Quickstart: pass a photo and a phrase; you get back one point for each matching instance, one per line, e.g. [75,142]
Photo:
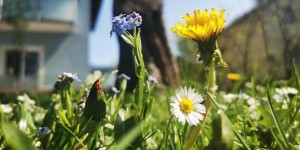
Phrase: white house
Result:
[56,41]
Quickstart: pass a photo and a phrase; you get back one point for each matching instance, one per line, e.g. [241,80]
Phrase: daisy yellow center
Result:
[186,105]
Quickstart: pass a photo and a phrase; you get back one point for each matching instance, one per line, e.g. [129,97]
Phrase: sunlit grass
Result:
[248,112]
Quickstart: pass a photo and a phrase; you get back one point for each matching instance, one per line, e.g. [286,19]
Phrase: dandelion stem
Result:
[211,86]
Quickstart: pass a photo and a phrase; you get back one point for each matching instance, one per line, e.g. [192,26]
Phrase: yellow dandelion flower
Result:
[202,27]
[233,76]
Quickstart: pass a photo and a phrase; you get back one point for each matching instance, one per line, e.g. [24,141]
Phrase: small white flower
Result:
[25,98]
[72,76]
[244,96]
[285,105]
[287,135]
[278,98]
[56,106]
[22,124]
[153,80]
[253,104]
[21,98]
[37,144]
[286,91]
[295,124]
[223,107]
[186,106]
[5,108]
[248,85]
[229,97]
[115,90]
[260,88]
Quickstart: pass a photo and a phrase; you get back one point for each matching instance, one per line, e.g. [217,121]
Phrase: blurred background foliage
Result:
[265,41]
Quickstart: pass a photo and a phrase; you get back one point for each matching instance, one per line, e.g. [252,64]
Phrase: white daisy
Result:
[186,106]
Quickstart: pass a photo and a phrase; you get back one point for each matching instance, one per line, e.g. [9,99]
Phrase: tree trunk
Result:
[156,51]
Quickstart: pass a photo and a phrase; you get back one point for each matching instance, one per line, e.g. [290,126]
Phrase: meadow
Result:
[203,113]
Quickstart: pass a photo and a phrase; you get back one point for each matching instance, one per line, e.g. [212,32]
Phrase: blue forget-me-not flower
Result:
[122,23]
[134,20]
[44,131]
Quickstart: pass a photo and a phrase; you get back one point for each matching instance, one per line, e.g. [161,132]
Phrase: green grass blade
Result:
[71,133]
[128,138]
[167,131]
[15,138]
[296,74]
[276,138]
[275,118]
[239,136]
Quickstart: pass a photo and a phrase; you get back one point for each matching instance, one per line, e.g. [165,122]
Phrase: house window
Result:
[31,64]
[22,67]
[13,65]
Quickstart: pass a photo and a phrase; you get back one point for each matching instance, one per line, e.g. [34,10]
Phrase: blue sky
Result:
[104,51]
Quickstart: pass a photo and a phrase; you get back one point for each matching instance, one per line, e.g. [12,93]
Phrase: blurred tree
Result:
[286,14]
[156,51]
[286,18]
[264,41]
[14,12]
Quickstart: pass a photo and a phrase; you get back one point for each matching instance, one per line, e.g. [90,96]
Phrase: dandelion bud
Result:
[95,106]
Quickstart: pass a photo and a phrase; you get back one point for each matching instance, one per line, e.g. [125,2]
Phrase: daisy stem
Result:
[211,86]
[167,131]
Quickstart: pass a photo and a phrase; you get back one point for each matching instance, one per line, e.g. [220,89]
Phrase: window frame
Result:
[28,48]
